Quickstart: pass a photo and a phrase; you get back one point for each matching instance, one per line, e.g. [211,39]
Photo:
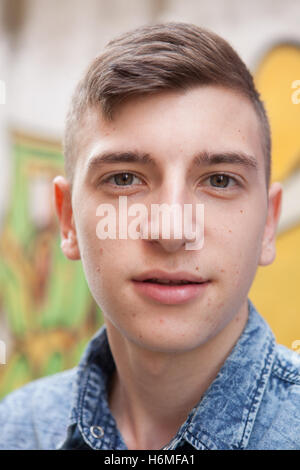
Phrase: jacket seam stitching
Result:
[266,371]
[280,372]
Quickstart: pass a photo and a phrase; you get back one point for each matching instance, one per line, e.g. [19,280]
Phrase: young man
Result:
[168,114]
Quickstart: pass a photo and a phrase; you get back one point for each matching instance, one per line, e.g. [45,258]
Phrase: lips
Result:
[164,276]
[168,282]
[169,288]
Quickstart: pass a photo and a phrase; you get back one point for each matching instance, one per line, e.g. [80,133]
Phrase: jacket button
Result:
[97,431]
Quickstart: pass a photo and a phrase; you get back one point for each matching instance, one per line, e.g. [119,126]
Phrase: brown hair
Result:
[152,58]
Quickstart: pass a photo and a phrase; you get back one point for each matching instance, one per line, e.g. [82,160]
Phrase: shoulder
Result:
[277,425]
[35,416]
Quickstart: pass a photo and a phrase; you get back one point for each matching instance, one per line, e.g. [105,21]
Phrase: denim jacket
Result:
[253,403]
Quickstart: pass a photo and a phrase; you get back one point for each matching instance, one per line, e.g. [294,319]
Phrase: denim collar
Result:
[223,418]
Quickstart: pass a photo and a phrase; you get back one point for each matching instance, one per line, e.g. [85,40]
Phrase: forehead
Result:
[171,124]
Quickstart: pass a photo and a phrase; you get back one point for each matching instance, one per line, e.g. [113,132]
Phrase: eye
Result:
[222,181]
[123,179]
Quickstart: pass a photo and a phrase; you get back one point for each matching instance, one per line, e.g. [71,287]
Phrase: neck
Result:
[152,393]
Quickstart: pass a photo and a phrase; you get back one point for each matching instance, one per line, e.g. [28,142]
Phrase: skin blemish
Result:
[101,251]
[210,320]
[197,268]
[230,231]
[222,270]
[134,315]
[98,269]
[241,211]
[161,321]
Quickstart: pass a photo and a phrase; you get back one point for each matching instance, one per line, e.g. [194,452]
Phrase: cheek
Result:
[238,246]
[90,246]
[86,234]
[102,259]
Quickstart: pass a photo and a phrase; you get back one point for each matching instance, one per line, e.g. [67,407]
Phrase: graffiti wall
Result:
[48,314]
[276,289]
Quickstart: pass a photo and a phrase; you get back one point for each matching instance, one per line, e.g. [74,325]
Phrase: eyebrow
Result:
[201,159]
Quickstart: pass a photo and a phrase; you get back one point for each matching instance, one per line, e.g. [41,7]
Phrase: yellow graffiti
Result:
[276,291]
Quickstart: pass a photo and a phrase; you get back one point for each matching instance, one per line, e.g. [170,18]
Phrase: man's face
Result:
[239,216]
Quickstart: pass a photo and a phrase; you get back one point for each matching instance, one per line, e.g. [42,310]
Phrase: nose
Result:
[172,224]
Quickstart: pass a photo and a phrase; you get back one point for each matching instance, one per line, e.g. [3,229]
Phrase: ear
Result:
[64,211]
[268,250]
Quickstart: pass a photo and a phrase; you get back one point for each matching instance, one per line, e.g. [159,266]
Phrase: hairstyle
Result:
[153,58]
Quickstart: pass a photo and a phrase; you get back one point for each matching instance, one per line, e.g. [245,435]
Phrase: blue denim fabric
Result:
[253,403]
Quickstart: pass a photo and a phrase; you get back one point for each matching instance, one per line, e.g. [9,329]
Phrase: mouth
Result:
[163,277]
[170,291]
[168,282]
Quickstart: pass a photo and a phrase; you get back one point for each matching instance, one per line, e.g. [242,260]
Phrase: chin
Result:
[163,342]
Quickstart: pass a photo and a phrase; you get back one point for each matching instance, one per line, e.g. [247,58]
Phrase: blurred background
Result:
[47,314]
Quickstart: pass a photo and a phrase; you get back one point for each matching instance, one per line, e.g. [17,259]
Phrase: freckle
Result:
[222,270]
[197,268]
[241,211]
[230,231]
[98,269]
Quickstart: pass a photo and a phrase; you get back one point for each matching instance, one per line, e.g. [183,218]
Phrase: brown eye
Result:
[123,178]
[118,180]
[220,181]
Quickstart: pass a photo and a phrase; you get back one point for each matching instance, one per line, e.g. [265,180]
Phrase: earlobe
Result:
[64,211]
[69,246]
[268,249]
